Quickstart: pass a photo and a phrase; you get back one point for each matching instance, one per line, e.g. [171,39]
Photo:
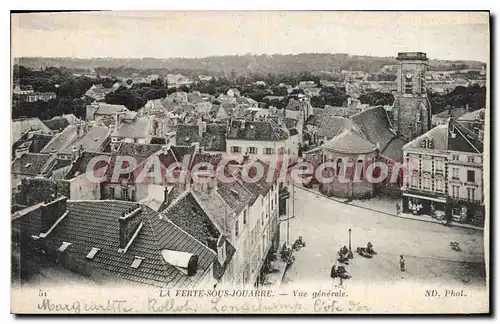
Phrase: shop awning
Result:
[438,199]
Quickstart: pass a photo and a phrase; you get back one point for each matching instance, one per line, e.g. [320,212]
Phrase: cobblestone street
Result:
[324,225]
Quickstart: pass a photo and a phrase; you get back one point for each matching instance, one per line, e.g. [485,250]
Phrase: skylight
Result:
[92,253]
[137,262]
[64,246]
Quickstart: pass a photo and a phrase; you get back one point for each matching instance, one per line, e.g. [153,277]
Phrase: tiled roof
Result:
[94,224]
[438,134]
[180,151]
[235,195]
[394,149]
[374,125]
[139,151]
[186,213]
[314,120]
[330,126]
[109,109]
[92,140]
[34,142]
[290,122]
[21,126]
[82,163]
[214,139]
[294,104]
[465,139]
[215,208]
[349,141]
[61,140]
[256,131]
[138,128]
[319,111]
[32,164]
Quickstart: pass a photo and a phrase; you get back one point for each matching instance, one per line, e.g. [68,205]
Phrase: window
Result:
[454,173]
[426,183]
[92,253]
[339,166]
[471,192]
[359,169]
[244,217]
[125,193]
[269,151]
[414,181]
[112,192]
[454,157]
[252,150]
[64,246]
[237,229]
[471,176]
[438,166]
[137,262]
[470,159]
[235,149]
[455,191]
[272,204]
[439,185]
[281,150]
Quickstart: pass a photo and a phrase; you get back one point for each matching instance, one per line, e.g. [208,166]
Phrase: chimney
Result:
[130,223]
[52,209]
[202,127]
[74,153]
[221,250]
[117,120]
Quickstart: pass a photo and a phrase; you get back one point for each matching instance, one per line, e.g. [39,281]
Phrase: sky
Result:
[161,34]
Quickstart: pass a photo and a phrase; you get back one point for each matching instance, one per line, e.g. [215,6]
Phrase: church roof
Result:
[374,125]
[349,141]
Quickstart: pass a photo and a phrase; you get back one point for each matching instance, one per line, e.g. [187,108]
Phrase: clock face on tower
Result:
[409,76]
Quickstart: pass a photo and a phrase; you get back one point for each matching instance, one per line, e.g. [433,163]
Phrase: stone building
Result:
[412,109]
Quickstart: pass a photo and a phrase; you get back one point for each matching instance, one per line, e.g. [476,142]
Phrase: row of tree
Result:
[137,96]
[473,96]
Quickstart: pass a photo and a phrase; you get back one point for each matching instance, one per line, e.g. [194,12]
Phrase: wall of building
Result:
[259,145]
[81,188]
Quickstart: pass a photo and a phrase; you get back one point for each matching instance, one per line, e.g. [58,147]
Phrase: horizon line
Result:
[236,54]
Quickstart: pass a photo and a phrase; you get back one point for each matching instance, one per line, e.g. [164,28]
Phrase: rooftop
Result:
[94,225]
[256,131]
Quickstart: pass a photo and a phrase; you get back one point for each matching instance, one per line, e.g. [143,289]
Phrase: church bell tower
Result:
[412,111]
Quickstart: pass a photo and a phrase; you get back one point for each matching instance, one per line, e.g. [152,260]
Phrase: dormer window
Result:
[137,262]
[64,246]
[92,253]
[427,143]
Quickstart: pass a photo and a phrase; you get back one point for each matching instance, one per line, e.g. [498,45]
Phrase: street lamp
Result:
[350,240]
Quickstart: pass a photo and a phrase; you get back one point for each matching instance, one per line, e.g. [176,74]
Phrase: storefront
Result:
[418,204]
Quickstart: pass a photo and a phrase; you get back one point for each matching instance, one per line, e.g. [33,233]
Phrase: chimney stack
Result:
[129,222]
[52,210]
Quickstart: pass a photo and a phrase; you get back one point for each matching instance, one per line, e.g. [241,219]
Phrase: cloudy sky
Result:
[447,35]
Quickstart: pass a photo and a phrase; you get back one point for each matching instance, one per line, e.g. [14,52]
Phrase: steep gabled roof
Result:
[32,164]
[256,131]
[213,139]
[94,224]
[374,125]
[349,141]
[329,126]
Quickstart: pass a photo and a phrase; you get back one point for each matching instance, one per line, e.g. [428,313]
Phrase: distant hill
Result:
[242,64]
